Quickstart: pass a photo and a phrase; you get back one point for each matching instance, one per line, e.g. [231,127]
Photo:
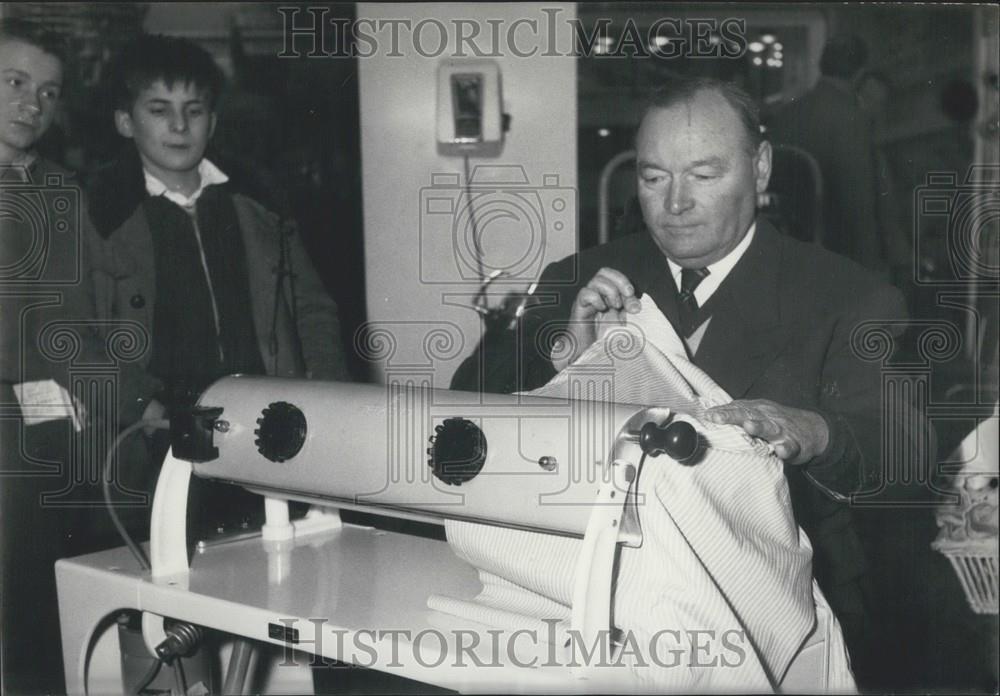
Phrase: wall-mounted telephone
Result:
[469,108]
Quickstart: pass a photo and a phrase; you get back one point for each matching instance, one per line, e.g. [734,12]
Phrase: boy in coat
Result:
[215,281]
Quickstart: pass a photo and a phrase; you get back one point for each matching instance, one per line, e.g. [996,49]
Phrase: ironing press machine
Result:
[357,594]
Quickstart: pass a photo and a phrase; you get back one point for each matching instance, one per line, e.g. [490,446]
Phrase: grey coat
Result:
[297,329]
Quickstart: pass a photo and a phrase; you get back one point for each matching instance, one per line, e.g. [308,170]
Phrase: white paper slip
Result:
[45,400]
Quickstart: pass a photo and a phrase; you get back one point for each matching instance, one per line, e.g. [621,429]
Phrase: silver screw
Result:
[548,463]
[221,426]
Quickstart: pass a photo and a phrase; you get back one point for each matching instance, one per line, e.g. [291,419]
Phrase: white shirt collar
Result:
[717,271]
[207,172]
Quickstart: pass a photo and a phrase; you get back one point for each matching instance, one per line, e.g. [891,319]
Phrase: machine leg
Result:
[592,596]
[239,667]
[84,605]
[168,527]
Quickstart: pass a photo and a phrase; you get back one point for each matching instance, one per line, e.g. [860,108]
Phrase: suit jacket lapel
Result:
[654,279]
[746,333]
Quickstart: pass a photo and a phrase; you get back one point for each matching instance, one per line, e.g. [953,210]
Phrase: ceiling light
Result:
[756,47]
[778,47]
[778,55]
[767,38]
[603,132]
[757,60]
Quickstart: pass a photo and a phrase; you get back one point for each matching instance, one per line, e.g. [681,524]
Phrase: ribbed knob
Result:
[281,431]
[457,451]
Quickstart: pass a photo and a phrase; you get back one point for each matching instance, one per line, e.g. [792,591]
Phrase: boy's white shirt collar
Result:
[207,172]
[717,271]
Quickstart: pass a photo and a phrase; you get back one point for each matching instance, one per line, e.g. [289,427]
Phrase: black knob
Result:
[457,451]
[281,431]
[678,439]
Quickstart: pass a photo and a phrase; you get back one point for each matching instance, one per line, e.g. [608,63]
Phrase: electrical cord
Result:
[181,637]
[137,551]
[476,241]
[479,303]
[179,679]
[149,676]
[282,271]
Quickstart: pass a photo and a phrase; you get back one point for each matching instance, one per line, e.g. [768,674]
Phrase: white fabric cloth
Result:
[721,551]
[208,173]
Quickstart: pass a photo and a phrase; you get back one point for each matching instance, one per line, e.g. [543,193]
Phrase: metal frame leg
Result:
[83,606]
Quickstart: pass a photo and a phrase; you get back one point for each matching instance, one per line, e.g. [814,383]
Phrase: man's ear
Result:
[123,123]
[762,166]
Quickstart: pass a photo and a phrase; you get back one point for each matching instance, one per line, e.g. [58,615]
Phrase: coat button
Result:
[137,301]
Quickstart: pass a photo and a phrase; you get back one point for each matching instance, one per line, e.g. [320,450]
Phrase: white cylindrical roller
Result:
[367,446]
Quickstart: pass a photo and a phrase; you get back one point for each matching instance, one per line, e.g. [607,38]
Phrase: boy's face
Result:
[171,127]
[29,95]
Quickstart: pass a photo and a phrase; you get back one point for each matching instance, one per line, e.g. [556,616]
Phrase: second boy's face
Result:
[171,127]
[30,82]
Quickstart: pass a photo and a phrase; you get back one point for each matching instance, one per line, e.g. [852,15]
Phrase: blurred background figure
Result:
[875,91]
[829,123]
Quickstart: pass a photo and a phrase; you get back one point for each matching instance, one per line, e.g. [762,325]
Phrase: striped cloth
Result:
[721,551]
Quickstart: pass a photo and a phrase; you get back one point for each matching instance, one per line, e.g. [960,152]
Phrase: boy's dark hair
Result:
[679,89]
[35,34]
[151,57]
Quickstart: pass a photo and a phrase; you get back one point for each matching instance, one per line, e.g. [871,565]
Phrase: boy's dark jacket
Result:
[299,336]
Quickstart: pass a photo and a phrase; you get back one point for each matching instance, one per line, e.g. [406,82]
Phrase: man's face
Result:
[29,95]
[697,181]
[171,127]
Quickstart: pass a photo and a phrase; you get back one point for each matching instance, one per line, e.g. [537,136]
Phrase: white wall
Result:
[413,276]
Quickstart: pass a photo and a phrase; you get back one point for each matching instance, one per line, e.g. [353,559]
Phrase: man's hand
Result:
[797,435]
[600,304]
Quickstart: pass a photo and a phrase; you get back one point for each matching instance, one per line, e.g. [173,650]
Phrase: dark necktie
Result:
[687,305]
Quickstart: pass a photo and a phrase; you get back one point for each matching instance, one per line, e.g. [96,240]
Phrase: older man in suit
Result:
[769,318]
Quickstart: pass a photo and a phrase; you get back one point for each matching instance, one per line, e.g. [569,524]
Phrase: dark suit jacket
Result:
[781,328]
